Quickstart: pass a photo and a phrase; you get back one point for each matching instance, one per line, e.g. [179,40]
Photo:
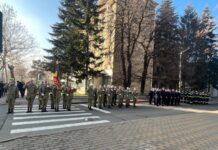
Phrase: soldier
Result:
[114,96]
[44,95]
[158,97]
[64,93]
[104,95]
[31,94]
[151,96]
[95,97]
[57,96]
[109,96]
[52,99]
[100,97]
[120,97]
[12,94]
[40,96]
[69,97]
[163,95]
[128,96]
[134,95]
[90,96]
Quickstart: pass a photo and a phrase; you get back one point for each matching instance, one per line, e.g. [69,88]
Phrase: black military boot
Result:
[12,110]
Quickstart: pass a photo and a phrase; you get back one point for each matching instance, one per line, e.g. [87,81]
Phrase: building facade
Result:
[128,27]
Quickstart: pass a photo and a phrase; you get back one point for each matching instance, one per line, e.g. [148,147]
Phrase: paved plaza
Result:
[146,127]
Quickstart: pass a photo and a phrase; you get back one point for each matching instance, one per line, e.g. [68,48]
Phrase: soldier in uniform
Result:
[100,97]
[104,95]
[64,93]
[134,95]
[128,96]
[69,97]
[120,97]
[163,95]
[90,96]
[44,95]
[40,96]
[52,99]
[151,95]
[114,96]
[109,96]
[57,96]
[31,94]
[12,94]
[95,97]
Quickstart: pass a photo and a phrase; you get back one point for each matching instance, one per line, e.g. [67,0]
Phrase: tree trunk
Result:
[144,73]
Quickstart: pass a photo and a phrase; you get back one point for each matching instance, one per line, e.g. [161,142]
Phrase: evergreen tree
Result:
[189,27]
[197,37]
[76,39]
[166,47]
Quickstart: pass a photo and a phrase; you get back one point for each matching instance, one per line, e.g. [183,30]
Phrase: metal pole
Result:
[180,70]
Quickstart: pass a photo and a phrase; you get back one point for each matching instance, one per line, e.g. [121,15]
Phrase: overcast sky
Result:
[39,15]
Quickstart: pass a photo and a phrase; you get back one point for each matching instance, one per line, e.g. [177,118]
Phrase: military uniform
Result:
[100,97]
[69,97]
[114,96]
[120,97]
[31,94]
[90,97]
[12,94]
[128,97]
[64,91]
[44,95]
[57,97]
[134,97]
[109,97]
[95,97]
[104,94]
[52,100]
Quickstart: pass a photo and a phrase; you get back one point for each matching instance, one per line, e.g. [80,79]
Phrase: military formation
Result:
[44,91]
[165,97]
[110,96]
[195,97]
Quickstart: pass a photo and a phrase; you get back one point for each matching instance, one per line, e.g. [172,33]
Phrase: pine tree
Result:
[166,50]
[76,39]
[189,28]
[197,36]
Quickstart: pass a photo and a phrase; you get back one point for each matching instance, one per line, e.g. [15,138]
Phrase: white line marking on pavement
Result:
[50,116]
[101,110]
[37,106]
[23,110]
[60,112]
[52,120]
[57,126]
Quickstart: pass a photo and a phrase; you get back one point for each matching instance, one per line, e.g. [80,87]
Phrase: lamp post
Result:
[180,68]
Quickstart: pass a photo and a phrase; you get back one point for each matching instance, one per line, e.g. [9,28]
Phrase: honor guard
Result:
[90,92]
[44,95]
[31,94]
[134,97]
[69,97]
[57,96]
[95,97]
[100,97]
[12,94]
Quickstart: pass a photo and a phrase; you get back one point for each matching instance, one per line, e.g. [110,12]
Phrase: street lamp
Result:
[180,68]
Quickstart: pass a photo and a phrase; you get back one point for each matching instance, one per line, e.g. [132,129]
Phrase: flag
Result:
[56,80]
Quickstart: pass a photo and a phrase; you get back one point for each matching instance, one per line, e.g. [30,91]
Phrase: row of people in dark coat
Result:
[164,97]
[3,91]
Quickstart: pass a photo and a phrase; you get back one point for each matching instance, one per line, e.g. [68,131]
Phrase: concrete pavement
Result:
[179,132]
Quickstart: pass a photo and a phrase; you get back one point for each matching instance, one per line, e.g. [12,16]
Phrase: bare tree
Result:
[17,42]
[134,37]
